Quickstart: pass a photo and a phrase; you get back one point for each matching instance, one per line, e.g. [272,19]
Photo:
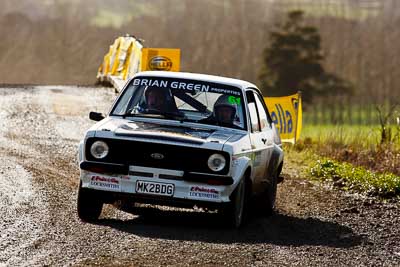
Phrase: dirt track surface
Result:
[40,128]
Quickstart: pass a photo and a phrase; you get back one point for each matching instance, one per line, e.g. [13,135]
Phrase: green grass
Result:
[354,136]
[349,156]
[333,111]
[308,164]
[345,134]
[348,177]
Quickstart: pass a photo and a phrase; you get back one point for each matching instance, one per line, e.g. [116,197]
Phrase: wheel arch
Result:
[279,169]
[247,175]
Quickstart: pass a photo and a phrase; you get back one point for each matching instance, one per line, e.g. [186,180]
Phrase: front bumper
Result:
[118,180]
[120,169]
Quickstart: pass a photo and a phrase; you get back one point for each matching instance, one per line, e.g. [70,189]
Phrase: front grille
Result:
[188,159]
[143,174]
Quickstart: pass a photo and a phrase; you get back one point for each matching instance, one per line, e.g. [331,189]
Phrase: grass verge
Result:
[358,145]
[349,177]
[307,163]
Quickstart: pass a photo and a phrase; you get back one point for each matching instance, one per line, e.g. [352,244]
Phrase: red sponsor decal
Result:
[104,179]
[203,189]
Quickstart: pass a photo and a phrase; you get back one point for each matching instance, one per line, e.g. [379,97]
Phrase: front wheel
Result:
[235,212]
[89,206]
[269,195]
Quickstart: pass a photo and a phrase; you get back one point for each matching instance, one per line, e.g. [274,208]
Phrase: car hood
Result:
[172,133]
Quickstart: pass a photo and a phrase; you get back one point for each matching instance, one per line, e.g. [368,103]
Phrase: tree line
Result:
[358,40]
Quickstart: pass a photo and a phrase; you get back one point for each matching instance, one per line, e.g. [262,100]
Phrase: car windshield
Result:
[183,100]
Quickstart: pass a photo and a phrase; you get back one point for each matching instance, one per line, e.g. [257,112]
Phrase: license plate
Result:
[161,189]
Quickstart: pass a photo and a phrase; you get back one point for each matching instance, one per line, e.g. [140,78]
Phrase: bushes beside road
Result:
[349,177]
[350,157]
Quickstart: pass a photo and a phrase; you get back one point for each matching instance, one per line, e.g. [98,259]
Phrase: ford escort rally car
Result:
[185,140]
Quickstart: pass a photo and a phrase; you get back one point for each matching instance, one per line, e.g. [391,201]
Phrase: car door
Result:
[260,139]
[267,135]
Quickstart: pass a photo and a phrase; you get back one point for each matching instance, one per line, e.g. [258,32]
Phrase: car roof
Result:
[197,76]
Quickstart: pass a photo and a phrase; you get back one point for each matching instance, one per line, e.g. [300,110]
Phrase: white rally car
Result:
[185,140]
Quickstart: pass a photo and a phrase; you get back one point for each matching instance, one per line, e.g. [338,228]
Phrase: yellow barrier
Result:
[286,112]
[127,56]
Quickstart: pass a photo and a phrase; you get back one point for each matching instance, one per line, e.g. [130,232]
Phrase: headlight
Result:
[99,149]
[216,162]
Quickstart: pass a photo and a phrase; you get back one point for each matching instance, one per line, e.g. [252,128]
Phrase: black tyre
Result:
[268,198]
[89,206]
[236,210]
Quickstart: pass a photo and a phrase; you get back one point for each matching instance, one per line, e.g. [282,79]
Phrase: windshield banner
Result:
[190,86]
[286,113]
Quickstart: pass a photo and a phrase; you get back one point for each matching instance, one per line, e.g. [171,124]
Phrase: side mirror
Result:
[96,116]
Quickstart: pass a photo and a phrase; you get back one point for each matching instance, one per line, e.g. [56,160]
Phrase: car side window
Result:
[251,104]
[124,101]
[264,122]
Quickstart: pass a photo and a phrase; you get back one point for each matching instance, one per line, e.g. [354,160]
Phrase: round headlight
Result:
[99,149]
[216,162]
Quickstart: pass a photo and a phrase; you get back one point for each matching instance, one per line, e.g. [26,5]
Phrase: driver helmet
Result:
[155,97]
[159,98]
[224,110]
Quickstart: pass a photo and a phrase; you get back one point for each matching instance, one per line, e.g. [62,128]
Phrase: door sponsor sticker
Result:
[105,183]
[200,192]
[161,189]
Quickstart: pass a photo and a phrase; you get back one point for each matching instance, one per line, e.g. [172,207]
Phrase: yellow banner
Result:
[165,59]
[286,113]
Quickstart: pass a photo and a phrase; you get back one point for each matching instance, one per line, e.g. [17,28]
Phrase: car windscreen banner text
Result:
[187,85]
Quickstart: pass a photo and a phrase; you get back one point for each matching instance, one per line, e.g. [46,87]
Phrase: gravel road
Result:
[40,128]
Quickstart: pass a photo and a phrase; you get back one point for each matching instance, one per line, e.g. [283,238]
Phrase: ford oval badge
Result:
[157,156]
[160,63]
